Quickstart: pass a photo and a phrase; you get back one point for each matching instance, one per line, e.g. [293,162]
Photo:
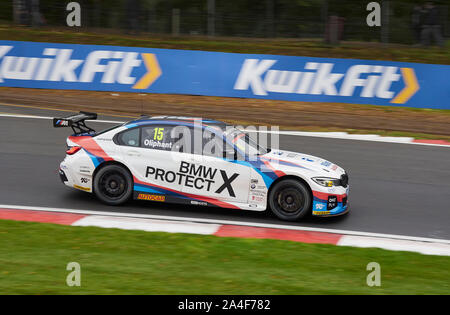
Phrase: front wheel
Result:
[290,200]
[113,185]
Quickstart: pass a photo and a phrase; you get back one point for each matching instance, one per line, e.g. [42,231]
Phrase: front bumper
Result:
[329,204]
[345,211]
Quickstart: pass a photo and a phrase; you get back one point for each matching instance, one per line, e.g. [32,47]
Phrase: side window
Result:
[197,141]
[129,138]
[157,137]
[213,144]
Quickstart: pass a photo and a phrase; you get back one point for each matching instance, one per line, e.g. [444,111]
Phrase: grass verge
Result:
[293,47]
[33,261]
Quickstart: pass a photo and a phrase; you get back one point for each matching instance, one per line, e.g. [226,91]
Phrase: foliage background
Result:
[238,18]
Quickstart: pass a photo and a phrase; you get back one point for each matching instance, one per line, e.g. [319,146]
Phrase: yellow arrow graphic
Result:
[153,72]
[411,86]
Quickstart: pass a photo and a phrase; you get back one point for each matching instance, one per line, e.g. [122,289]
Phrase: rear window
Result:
[129,137]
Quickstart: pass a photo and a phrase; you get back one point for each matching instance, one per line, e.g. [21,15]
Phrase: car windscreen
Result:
[244,142]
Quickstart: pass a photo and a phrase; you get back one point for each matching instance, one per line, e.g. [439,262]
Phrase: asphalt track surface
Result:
[401,189]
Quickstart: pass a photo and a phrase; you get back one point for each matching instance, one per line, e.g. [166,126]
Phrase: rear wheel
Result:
[290,200]
[113,185]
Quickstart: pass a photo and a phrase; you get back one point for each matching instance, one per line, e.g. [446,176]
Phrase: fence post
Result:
[385,14]
[445,26]
[270,19]
[175,22]
[211,17]
[324,13]
[333,30]
[20,14]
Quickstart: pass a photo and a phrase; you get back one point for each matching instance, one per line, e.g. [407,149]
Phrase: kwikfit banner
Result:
[148,70]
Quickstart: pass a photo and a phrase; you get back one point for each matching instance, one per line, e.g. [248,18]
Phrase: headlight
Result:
[327,182]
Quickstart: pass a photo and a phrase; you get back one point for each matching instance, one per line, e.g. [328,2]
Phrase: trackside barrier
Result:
[150,70]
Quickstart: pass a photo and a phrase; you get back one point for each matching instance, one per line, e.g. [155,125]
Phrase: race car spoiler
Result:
[76,122]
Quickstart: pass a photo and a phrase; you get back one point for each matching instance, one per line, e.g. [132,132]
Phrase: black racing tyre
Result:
[113,185]
[290,200]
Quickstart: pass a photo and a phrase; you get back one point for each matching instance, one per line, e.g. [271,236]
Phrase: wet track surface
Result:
[395,188]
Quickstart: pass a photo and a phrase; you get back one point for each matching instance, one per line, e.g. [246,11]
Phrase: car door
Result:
[152,160]
[212,175]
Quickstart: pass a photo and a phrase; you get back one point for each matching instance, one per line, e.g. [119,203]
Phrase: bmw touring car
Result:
[160,159]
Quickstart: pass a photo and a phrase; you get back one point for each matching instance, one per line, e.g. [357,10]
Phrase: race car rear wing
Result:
[76,122]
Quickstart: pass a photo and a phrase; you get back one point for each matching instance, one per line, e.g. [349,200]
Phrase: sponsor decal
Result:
[332,202]
[148,197]
[81,188]
[259,193]
[97,66]
[308,79]
[62,123]
[191,175]
[326,163]
[85,169]
[321,212]
[157,144]
[318,78]
[257,198]
[319,206]
[199,203]
[157,140]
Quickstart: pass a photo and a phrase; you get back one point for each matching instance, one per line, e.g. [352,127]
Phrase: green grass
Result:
[294,47]
[34,256]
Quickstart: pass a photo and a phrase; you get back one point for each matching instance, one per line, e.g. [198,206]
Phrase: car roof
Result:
[143,120]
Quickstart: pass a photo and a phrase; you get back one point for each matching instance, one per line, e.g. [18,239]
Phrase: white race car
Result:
[152,158]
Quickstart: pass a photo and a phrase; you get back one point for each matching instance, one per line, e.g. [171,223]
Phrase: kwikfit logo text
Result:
[319,79]
[57,65]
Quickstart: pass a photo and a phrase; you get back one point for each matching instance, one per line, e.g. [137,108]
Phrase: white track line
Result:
[149,225]
[227,222]
[395,245]
[329,135]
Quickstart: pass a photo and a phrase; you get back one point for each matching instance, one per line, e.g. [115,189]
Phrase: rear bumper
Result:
[63,176]
[71,178]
